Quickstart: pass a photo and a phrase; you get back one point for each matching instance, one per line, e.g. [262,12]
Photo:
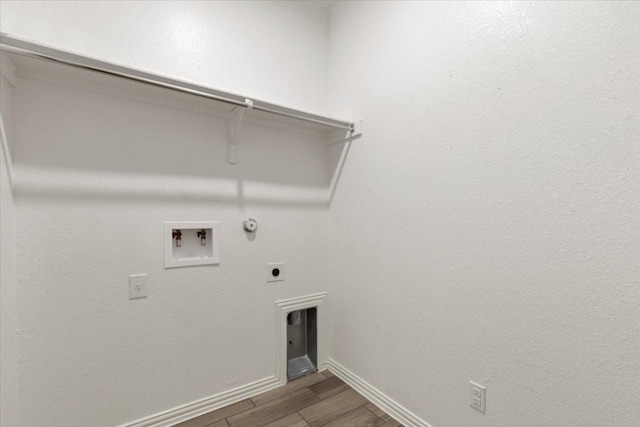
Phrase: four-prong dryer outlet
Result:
[275,272]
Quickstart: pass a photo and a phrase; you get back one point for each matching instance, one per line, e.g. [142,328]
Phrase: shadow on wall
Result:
[87,144]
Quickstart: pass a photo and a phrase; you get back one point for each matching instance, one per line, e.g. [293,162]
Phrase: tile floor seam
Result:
[303,418]
[374,414]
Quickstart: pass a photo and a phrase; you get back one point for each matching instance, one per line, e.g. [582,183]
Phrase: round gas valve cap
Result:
[250,225]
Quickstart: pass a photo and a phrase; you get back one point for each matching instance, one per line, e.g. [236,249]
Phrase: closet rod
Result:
[26,48]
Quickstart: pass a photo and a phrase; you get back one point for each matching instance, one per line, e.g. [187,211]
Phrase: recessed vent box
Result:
[191,243]
[302,338]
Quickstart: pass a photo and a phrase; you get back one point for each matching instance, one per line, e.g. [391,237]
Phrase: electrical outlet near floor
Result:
[137,286]
[478,396]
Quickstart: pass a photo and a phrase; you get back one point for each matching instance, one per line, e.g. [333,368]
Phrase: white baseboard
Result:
[391,407]
[191,410]
[200,407]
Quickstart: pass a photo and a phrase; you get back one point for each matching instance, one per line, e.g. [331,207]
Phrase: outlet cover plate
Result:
[137,286]
[478,397]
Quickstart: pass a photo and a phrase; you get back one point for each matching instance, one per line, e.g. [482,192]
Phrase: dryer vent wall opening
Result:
[302,342]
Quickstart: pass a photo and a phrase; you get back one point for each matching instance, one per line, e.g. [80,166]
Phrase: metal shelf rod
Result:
[27,48]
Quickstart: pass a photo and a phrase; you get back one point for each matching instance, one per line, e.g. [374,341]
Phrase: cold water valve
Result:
[202,234]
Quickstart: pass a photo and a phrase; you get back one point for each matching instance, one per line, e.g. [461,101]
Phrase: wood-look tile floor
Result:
[316,400]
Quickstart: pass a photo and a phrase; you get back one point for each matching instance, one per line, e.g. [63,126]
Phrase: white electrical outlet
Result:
[478,397]
[275,272]
[137,286]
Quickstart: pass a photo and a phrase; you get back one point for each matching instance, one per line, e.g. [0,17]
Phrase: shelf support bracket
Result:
[235,124]
[354,133]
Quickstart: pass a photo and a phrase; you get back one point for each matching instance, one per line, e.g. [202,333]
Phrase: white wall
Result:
[270,50]
[486,226]
[8,284]
[98,176]
[98,172]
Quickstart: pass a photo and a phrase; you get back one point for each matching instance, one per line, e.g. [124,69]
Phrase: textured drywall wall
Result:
[99,173]
[8,282]
[269,50]
[98,176]
[486,227]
